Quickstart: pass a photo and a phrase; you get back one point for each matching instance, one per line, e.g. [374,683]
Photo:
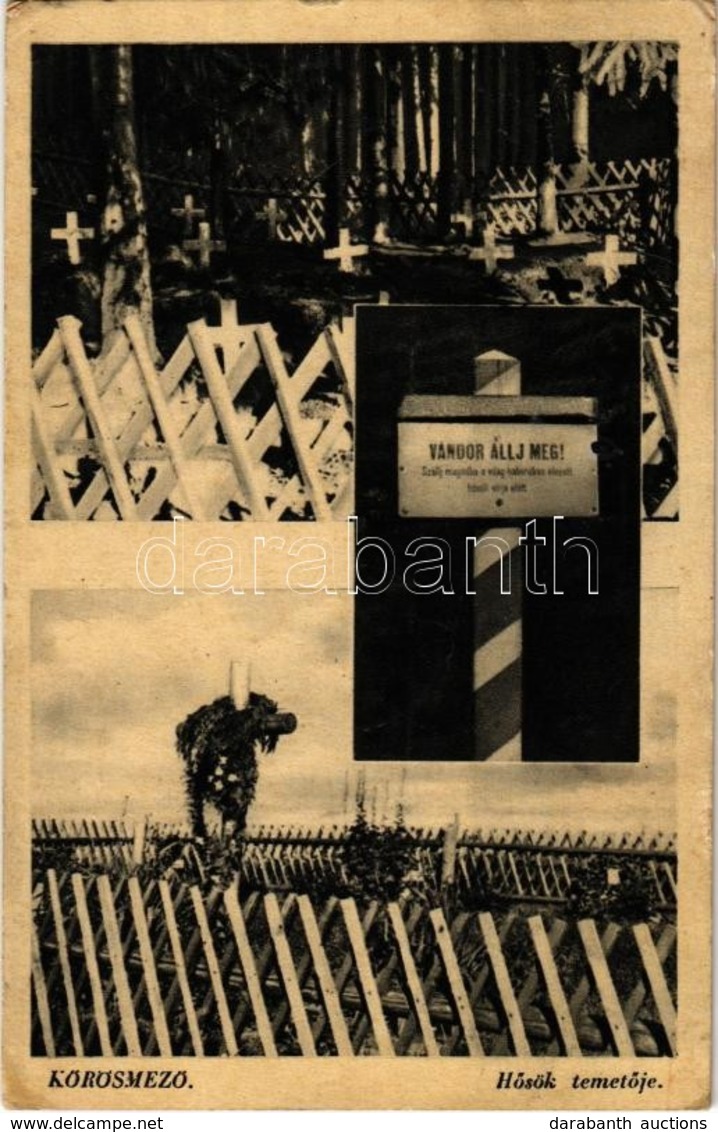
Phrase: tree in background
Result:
[126,284]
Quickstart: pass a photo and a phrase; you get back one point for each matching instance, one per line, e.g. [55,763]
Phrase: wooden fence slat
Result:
[170,434]
[664,384]
[43,1005]
[263,963]
[456,983]
[64,956]
[383,982]
[559,1004]
[225,1018]
[476,987]
[413,981]
[269,428]
[366,978]
[119,972]
[70,331]
[659,987]
[154,993]
[635,1000]
[227,417]
[345,968]
[93,970]
[249,968]
[503,984]
[293,421]
[327,986]
[53,474]
[181,969]
[530,985]
[46,361]
[289,975]
[607,991]
[131,436]
[341,347]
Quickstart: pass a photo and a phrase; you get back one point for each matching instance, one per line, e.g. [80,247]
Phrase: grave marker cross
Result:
[346,252]
[204,244]
[611,260]
[72,234]
[188,213]
[490,252]
[561,287]
[270,213]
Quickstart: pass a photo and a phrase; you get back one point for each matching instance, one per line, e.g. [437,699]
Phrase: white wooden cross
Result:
[72,234]
[270,213]
[346,252]
[188,213]
[611,260]
[490,252]
[204,244]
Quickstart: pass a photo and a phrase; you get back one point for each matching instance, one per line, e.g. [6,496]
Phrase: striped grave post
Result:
[498,455]
[498,586]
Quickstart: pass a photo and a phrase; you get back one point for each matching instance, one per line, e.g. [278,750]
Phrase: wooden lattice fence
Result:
[634,199]
[119,968]
[222,430]
[513,866]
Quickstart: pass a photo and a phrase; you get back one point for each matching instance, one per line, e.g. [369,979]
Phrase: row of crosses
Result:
[610,259]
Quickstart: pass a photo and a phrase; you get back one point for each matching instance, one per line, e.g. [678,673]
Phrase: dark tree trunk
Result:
[547,218]
[219,182]
[126,285]
[334,216]
[447,160]
[395,139]
[408,96]
[424,61]
[374,143]
[464,143]
[579,125]
[352,106]
[483,131]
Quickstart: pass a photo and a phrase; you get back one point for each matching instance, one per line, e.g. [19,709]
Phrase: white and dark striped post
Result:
[498,586]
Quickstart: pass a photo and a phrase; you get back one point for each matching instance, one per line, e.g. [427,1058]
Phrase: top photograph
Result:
[206,217]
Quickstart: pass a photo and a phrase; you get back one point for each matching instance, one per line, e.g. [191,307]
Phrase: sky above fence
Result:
[115,672]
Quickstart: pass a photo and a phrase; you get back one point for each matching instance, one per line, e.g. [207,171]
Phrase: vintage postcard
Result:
[359,551]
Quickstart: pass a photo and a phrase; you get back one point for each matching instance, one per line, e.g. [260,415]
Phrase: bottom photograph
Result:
[214,875]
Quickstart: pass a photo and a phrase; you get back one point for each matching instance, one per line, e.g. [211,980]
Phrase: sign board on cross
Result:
[489,456]
[72,234]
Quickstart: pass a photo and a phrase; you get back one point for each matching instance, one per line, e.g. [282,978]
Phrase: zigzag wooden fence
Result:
[514,866]
[634,199]
[121,969]
[222,430]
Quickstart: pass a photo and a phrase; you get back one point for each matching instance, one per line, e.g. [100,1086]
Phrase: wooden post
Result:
[239,683]
[448,853]
[138,841]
